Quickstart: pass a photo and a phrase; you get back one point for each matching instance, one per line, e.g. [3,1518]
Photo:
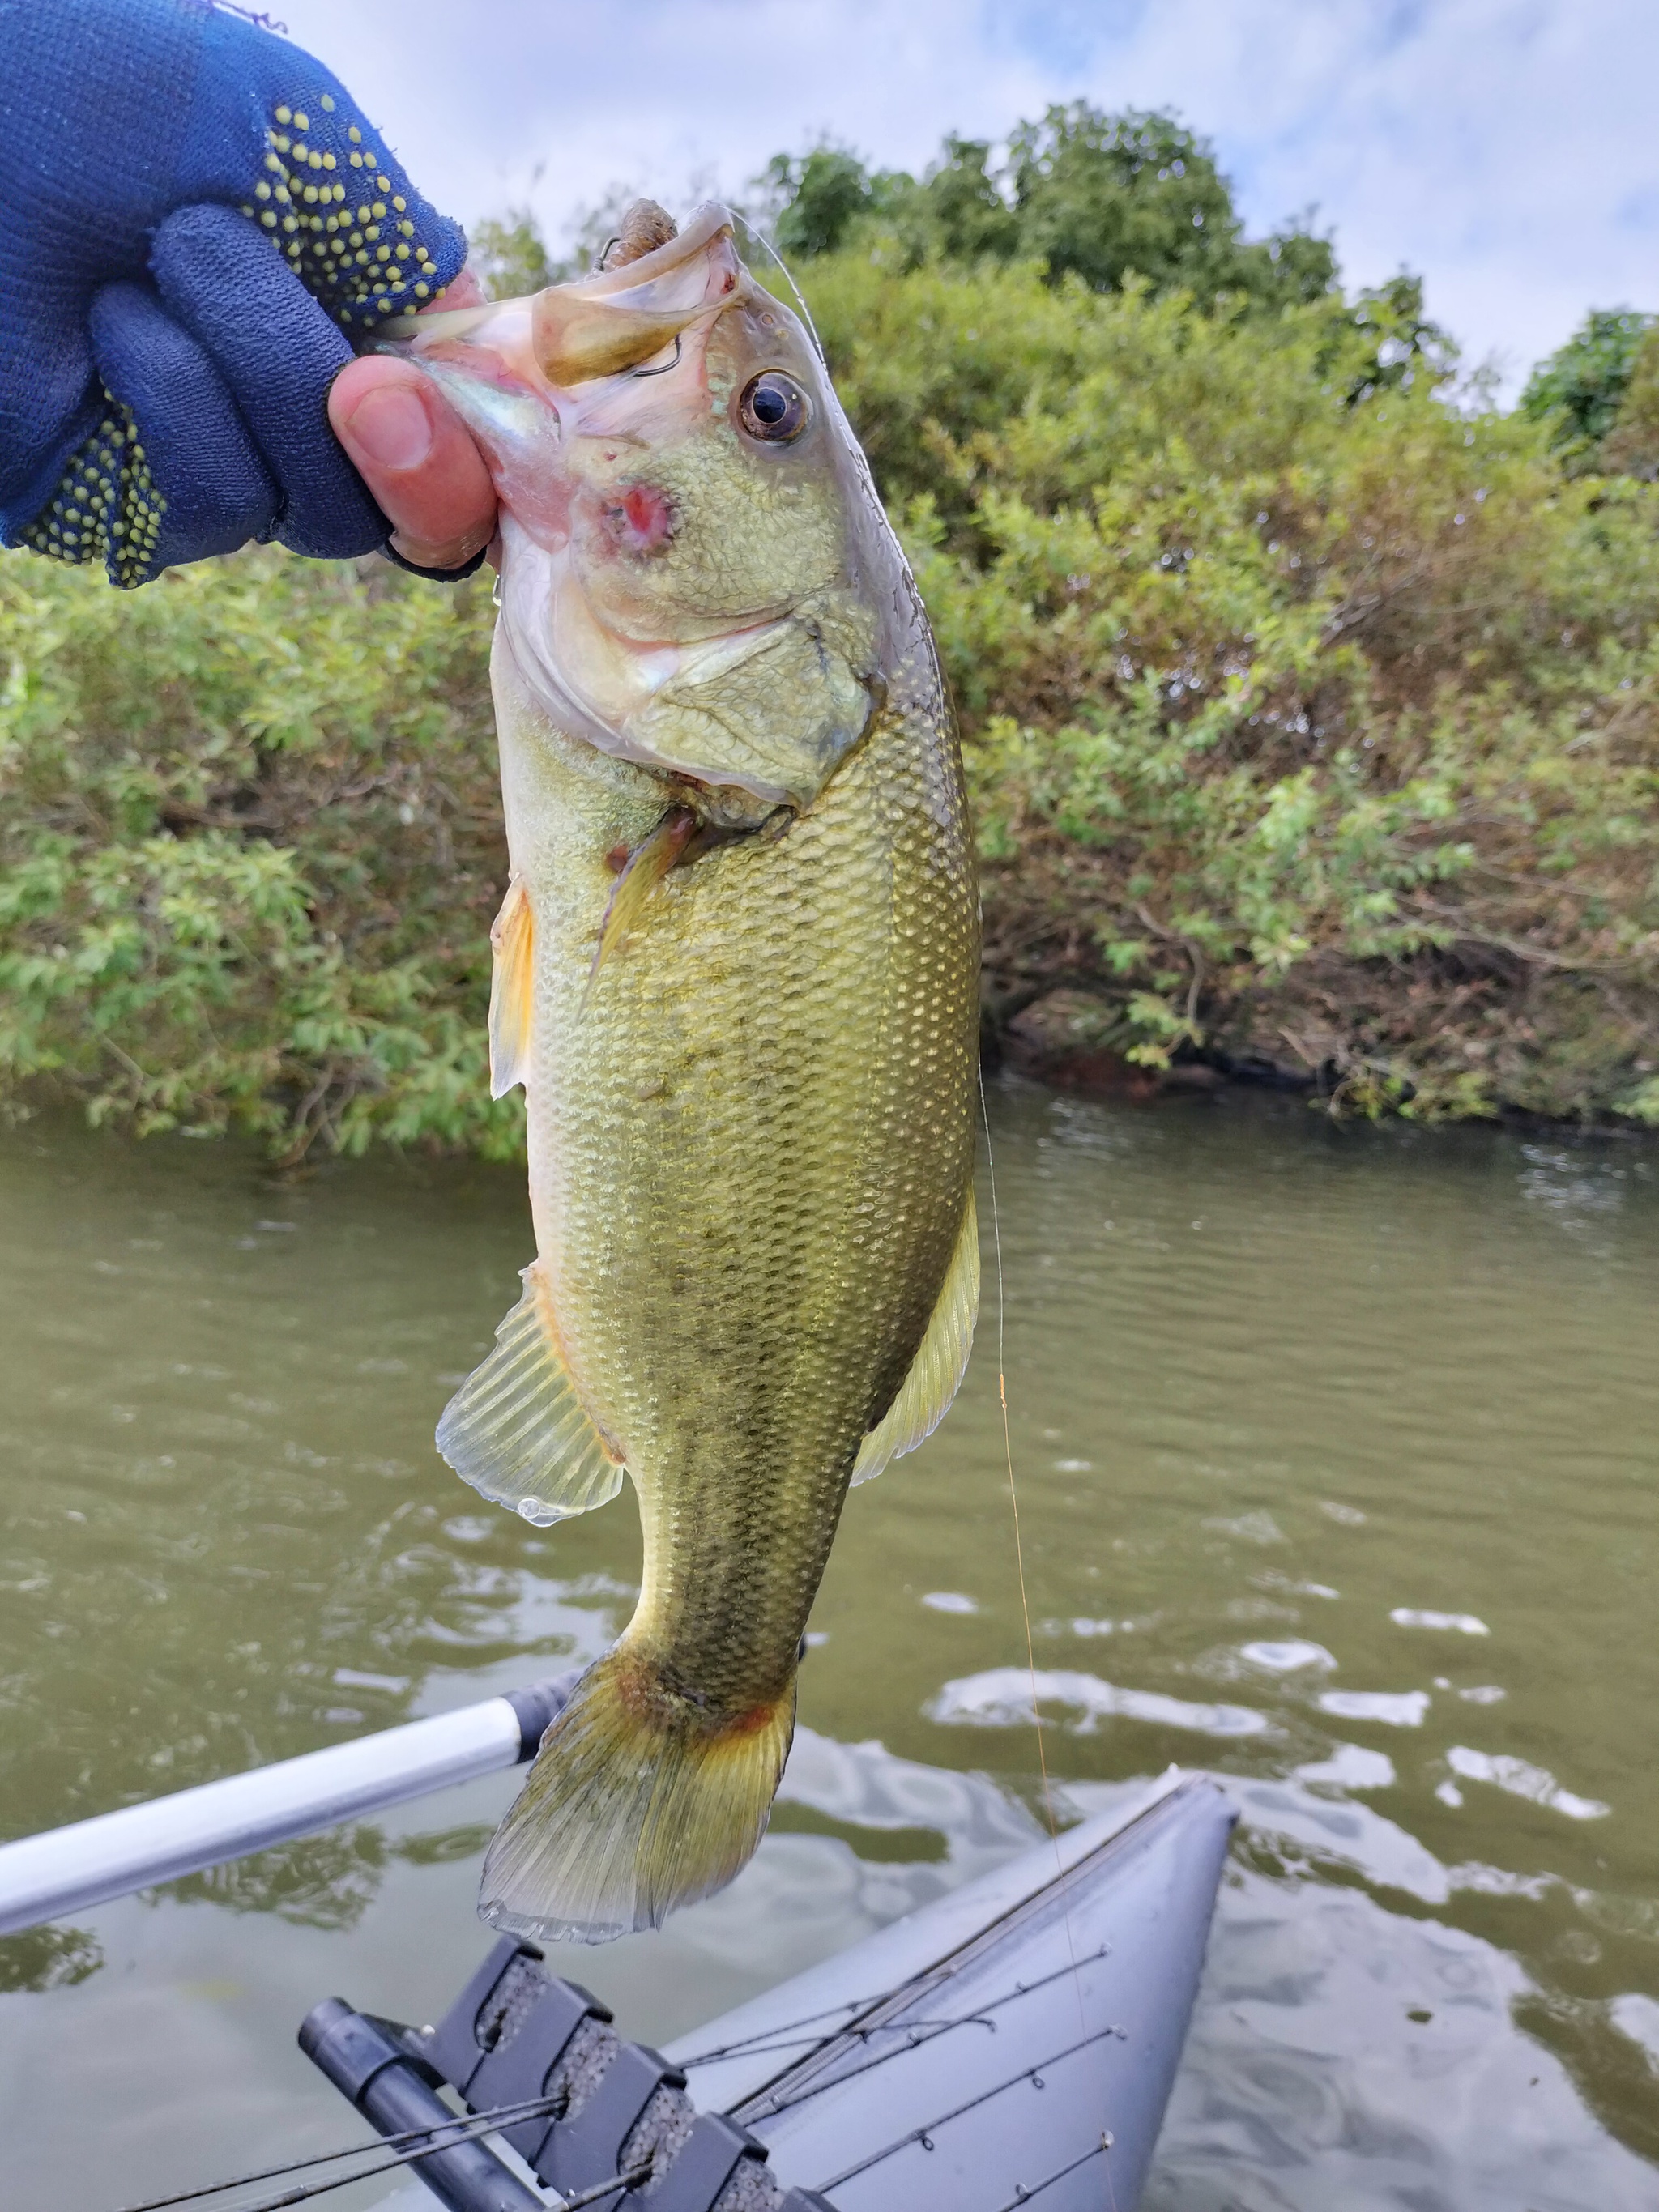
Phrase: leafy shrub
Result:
[1313,723]
[252,846]
[1579,390]
[1312,718]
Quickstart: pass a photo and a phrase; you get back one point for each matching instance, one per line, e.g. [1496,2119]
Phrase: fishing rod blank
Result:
[68,1870]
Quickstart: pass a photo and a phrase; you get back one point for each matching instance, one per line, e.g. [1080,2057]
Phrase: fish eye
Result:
[774,407]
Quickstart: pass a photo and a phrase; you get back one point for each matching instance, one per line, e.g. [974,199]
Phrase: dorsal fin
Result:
[512,989]
[925,1395]
[516,1431]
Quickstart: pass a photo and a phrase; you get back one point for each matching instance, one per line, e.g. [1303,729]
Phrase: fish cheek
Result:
[777,722]
[703,535]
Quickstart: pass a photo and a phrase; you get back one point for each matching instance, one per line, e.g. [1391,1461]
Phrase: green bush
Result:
[1312,722]
[252,846]
[1580,390]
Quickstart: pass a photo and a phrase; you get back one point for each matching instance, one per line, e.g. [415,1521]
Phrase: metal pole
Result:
[67,1869]
[391,2087]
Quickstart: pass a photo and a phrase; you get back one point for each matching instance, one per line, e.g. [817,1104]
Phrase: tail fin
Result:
[637,1803]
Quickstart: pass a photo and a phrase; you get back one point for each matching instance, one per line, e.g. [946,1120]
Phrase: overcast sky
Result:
[1506,149]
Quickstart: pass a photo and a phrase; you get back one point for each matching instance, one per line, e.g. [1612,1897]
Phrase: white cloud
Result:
[1502,146]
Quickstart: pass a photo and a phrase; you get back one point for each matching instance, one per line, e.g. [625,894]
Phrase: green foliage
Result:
[1307,721]
[1578,392]
[249,849]
[960,205]
[1630,448]
[1310,722]
[821,195]
[1107,198]
[1404,347]
[509,257]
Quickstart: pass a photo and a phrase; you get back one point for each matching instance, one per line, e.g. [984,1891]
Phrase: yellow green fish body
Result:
[738,978]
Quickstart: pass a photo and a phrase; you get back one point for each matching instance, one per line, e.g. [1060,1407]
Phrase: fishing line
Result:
[630,2179]
[762,2040]
[488,2121]
[1019,1562]
[761,239]
[924,2133]
[1019,1550]
[1060,2174]
[778,2100]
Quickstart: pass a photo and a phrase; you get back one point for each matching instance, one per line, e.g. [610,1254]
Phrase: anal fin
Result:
[512,989]
[924,1396]
[516,1431]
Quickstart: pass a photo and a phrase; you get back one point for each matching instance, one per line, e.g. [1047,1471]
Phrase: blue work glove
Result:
[195,220]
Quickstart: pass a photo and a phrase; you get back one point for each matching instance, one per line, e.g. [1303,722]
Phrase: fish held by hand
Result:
[737,975]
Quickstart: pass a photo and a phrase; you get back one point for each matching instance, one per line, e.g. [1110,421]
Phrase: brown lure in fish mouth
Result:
[645,226]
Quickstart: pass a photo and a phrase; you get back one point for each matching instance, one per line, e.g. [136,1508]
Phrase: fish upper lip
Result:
[704,225]
[420,333]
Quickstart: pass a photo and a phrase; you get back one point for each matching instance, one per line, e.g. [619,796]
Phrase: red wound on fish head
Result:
[641,520]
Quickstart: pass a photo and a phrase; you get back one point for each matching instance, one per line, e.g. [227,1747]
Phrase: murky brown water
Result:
[1337,1473]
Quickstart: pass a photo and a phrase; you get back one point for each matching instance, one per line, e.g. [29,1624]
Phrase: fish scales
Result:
[746,1163]
[738,977]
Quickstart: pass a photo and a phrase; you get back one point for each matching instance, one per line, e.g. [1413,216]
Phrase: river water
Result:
[1335,1452]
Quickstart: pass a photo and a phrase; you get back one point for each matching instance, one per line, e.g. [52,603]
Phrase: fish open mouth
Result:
[597,325]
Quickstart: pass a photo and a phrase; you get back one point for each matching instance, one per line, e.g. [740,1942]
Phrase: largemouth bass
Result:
[737,975]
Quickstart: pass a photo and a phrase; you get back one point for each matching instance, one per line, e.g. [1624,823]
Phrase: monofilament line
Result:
[1013,1502]
[1019,1563]
[458,2127]
[766,246]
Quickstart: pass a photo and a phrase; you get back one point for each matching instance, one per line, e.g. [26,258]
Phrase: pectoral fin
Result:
[647,864]
[516,1431]
[926,1393]
[512,990]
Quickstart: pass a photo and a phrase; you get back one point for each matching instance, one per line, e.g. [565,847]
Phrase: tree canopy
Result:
[1104,197]
[1580,389]
[1311,724]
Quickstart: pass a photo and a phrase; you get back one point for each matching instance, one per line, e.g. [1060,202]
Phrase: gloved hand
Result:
[195,220]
